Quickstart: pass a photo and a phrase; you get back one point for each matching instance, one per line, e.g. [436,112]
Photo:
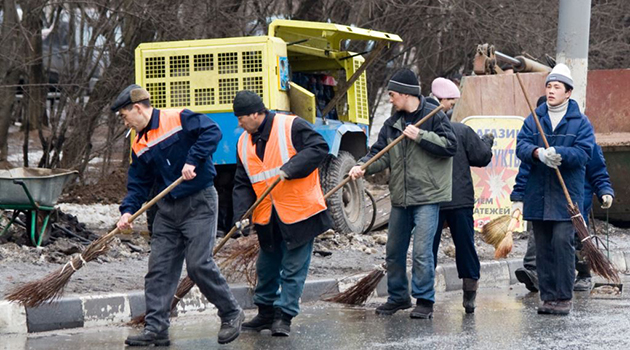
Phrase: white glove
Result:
[607,201]
[517,206]
[549,157]
[283,175]
[242,224]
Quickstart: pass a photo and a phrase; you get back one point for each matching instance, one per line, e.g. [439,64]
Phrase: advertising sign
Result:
[493,184]
[283,73]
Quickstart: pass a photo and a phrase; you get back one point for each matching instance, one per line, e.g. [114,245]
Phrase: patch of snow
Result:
[99,216]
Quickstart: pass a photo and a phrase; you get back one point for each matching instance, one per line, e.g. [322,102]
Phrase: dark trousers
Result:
[185,228]
[582,267]
[461,224]
[555,259]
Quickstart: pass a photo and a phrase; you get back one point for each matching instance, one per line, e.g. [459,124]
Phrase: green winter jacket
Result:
[421,169]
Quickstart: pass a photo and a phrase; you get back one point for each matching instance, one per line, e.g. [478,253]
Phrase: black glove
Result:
[489,138]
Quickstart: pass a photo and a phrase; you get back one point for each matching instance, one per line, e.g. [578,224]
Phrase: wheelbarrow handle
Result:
[28,193]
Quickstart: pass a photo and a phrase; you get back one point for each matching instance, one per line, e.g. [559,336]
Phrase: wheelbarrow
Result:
[34,192]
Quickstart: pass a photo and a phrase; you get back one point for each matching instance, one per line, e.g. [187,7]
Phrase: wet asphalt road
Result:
[505,319]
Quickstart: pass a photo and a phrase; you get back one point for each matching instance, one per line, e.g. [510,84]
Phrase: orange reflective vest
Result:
[170,123]
[294,200]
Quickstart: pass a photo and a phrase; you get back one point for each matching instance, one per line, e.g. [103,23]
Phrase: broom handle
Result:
[542,133]
[246,215]
[145,207]
[382,152]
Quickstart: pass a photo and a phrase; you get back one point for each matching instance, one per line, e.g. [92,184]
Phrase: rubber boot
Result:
[469,286]
[263,320]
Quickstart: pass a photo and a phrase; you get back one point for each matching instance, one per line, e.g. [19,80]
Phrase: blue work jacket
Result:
[573,139]
[597,180]
[191,140]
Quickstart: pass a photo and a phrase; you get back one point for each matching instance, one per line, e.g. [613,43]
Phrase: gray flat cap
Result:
[131,94]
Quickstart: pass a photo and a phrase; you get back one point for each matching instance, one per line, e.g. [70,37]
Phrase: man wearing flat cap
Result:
[420,178]
[290,217]
[171,143]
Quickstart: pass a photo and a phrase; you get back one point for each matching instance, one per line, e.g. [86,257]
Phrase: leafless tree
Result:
[99,38]
[9,75]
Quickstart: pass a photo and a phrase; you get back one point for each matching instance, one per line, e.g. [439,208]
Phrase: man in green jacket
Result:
[420,178]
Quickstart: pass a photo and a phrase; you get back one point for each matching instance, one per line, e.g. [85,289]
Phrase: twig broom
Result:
[505,246]
[360,291]
[186,284]
[598,261]
[51,287]
[495,230]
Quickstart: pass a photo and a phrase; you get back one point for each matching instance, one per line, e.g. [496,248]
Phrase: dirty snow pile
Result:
[367,243]
[99,216]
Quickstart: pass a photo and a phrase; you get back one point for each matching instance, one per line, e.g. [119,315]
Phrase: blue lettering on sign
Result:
[499,133]
[504,158]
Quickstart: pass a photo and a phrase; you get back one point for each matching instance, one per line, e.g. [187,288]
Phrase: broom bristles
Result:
[137,321]
[240,261]
[51,286]
[505,247]
[359,293]
[35,293]
[596,259]
[184,286]
[495,230]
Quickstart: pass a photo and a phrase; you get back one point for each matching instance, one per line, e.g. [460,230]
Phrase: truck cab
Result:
[300,68]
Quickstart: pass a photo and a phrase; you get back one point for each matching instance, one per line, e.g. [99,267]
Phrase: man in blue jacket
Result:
[570,136]
[597,182]
[171,143]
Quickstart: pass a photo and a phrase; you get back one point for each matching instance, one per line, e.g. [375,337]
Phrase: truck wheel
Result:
[346,206]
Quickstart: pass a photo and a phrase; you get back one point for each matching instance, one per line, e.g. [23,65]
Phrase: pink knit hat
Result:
[444,88]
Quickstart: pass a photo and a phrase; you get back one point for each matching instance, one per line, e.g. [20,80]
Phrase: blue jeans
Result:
[281,276]
[419,221]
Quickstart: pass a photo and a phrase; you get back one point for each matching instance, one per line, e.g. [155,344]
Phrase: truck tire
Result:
[346,206]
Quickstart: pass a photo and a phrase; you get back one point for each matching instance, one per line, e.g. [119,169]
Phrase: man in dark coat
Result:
[458,213]
[286,238]
[173,143]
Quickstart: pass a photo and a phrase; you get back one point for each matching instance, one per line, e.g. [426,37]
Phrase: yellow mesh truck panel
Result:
[204,75]
[358,111]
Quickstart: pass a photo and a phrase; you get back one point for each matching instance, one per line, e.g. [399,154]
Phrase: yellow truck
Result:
[300,67]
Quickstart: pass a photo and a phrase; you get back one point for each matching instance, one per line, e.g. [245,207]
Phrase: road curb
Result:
[102,309]
[115,308]
[12,318]
[493,274]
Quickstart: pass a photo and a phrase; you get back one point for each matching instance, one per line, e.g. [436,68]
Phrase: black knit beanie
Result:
[405,82]
[247,102]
